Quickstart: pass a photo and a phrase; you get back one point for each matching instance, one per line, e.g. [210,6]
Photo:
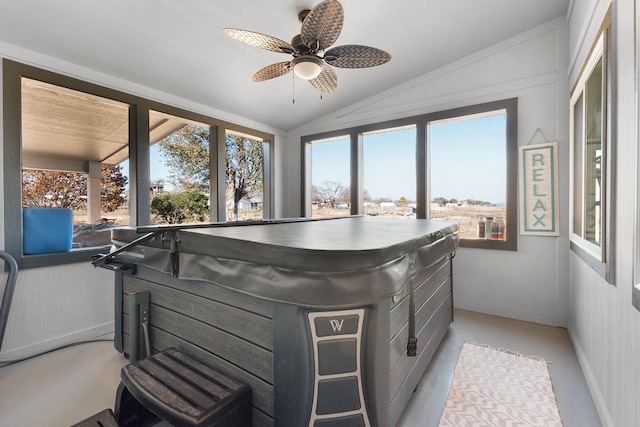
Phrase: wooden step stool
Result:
[183,392]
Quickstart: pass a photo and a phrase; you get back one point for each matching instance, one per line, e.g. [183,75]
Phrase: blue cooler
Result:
[46,230]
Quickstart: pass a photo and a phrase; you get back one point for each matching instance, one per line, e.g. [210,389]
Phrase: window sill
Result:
[60,258]
[636,297]
[585,252]
[503,245]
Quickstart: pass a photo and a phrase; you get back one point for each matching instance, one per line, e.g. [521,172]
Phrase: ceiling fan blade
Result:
[260,40]
[356,56]
[272,71]
[327,80]
[322,26]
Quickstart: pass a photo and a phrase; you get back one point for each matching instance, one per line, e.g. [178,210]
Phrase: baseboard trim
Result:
[539,318]
[598,399]
[98,332]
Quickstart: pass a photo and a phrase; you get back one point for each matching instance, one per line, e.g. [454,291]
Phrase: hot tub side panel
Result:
[433,302]
[227,330]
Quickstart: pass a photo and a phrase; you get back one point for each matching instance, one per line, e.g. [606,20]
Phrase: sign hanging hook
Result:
[538,131]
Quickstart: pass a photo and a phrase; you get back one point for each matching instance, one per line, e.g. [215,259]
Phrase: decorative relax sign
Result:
[538,170]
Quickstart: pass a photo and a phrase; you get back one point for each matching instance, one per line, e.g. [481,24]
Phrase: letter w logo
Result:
[336,324]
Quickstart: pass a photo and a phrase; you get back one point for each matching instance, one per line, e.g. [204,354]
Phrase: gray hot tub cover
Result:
[323,264]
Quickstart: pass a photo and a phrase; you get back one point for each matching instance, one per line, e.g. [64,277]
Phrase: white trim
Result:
[508,312]
[596,395]
[105,330]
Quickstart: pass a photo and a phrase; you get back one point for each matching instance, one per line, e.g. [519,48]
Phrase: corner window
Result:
[456,165]
[592,157]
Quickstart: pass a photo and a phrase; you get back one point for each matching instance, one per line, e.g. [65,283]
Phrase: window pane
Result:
[390,172]
[467,168]
[593,156]
[179,170]
[330,178]
[244,193]
[73,146]
[578,149]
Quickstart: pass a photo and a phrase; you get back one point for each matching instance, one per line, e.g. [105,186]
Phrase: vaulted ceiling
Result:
[179,47]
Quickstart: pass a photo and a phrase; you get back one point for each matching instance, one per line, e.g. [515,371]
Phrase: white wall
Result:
[532,283]
[54,306]
[604,326]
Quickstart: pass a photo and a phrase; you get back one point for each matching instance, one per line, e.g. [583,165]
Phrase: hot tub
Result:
[330,322]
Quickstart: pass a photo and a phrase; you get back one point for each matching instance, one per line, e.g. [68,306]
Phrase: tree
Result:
[330,193]
[176,208]
[244,171]
[186,153]
[187,156]
[441,201]
[112,187]
[69,189]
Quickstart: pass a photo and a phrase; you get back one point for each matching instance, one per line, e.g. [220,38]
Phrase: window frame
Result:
[600,259]
[421,123]
[635,289]
[139,179]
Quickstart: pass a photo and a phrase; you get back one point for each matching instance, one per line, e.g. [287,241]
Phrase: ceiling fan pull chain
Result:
[293,87]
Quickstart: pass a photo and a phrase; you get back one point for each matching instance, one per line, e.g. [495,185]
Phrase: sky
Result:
[157,168]
[467,158]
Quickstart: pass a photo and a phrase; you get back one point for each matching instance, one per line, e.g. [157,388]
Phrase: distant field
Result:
[466,216]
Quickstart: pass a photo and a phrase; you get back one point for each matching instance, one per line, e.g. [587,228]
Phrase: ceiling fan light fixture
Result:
[307,67]
[313,57]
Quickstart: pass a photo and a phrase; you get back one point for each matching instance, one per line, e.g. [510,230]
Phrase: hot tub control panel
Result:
[338,398]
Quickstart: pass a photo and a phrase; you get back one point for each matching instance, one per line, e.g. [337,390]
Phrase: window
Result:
[592,157]
[636,243]
[179,169]
[406,168]
[73,146]
[244,182]
[390,187]
[476,199]
[330,177]
[61,133]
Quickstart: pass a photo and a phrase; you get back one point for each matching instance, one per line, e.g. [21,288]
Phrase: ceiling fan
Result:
[321,27]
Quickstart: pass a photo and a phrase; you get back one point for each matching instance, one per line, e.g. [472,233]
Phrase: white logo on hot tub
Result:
[336,324]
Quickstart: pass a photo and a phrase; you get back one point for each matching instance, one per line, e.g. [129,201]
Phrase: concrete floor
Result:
[68,385]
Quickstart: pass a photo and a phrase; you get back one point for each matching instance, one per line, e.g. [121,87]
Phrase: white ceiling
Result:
[179,47]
